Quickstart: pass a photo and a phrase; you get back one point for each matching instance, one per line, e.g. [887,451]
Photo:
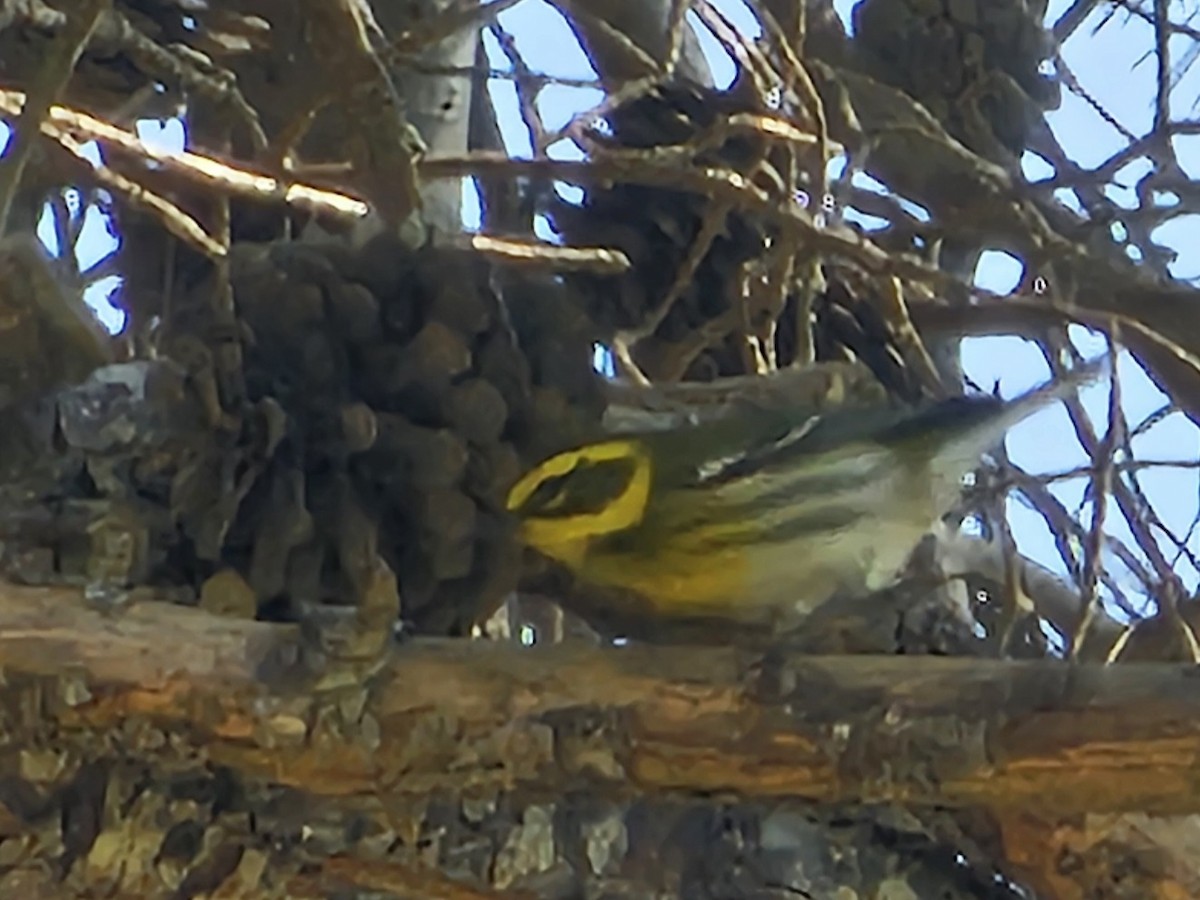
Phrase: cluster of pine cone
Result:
[387,403]
[657,228]
[405,379]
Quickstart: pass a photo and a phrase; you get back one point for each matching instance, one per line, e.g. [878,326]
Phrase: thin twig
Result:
[199,169]
[48,87]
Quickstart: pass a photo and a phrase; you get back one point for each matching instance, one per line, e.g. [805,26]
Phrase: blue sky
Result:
[1112,63]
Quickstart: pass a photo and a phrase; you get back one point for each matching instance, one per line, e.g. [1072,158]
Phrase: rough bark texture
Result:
[163,747]
[457,715]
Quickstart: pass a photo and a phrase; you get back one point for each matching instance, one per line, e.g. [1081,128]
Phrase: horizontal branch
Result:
[463,715]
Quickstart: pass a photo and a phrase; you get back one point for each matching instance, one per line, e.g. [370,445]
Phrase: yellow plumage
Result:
[764,521]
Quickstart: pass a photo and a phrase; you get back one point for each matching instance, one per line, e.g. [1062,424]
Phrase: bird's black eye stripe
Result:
[587,489]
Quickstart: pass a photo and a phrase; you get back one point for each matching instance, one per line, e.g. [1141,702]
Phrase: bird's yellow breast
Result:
[687,564]
[676,573]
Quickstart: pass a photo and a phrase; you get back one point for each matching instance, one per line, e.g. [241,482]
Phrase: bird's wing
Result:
[958,430]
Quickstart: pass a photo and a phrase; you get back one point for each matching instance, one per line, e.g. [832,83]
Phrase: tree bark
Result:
[460,715]
[628,39]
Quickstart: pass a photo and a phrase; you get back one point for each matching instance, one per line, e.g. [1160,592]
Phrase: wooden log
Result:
[461,715]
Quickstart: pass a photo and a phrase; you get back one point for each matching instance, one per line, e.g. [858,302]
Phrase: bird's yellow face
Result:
[598,510]
[579,495]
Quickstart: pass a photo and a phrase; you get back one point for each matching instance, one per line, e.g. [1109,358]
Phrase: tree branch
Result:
[460,715]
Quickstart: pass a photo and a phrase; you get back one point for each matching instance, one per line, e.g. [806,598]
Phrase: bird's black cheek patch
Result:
[586,489]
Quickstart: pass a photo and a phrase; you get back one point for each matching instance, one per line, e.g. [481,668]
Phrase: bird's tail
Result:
[982,422]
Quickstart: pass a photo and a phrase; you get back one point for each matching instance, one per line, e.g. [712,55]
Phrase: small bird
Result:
[761,517]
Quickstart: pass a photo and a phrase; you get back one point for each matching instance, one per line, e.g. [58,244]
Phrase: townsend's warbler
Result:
[763,516]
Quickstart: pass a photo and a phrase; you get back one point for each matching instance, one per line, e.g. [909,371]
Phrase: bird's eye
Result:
[548,495]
